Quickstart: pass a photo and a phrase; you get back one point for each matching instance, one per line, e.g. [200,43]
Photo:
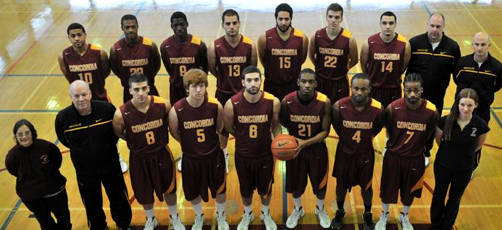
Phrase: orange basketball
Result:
[284,147]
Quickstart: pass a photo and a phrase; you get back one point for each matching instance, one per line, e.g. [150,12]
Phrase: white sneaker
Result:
[405,222]
[323,217]
[198,222]
[247,218]
[179,164]
[151,224]
[292,220]
[177,225]
[226,160]
[382,222]
[268,221]
[123,164]
[222,221]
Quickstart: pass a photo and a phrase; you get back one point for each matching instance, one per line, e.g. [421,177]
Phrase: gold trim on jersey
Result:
[401,38]
[430,106]
[428,53]
[147,41]
[376,104]
[268,96]
[298,33]
[247,40]
[195,40]
[346,33]
[212,100]
[95,47]
[158,100]
[321,97]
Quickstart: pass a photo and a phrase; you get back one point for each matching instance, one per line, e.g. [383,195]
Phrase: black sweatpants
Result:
[116,190]
[57,205]
[437,99]
[443,216]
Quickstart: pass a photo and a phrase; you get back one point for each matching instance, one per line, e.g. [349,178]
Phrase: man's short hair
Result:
[334,7]
[362,76]
[74,26]
[178,14]
[413,77]
[229,13]
[137,77]
[306,71]
[284,7]
[194,76]
[250,69]
[390,14]
[128,17]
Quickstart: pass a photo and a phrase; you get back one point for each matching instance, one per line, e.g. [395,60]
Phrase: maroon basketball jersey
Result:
[134,59]
[181,57]
[252,123]
[332,56]
[356,129]
[197,126]
[230,62]
[283,58]
[386,61]
[146,133]
[86,68]
[409,129]
[303,121]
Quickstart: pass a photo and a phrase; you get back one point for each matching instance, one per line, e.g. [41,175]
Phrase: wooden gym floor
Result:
[32,87]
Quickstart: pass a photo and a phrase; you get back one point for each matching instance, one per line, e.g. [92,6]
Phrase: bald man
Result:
[85,127]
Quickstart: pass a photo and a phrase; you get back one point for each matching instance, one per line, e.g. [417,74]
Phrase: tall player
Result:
[251,116]
[385,56]
[357,119]
[227,57]
[143,123]
[333,51]
[282,51]
[134,54]
[410,121]
[306,114]
[180,53]
[195,122]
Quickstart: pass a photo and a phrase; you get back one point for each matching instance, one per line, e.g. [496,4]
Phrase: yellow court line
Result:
[481,27]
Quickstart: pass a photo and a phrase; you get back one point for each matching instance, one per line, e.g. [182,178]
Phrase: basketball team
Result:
[303,103]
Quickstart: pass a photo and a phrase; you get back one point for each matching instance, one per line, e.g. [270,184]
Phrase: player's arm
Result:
[165,59]
[353,52]
[336,118]
[228,117]
[276,125]
[155,58]
[220,124]
[388,119]
[211,59]
[262,44]
[305,47]
[326,121]
[379,122]
[254,55]
[284,114]
[203,56]
[432,125]
[62,67]
[481,141]
[312,49]
[173,125]
[364,56]
[105,64]
[438,135]
[407,56]
[118,124]
[114,65]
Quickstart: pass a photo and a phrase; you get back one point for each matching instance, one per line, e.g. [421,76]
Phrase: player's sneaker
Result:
[337,222]
[226,160]
[247,218]
[382,222]
[198,222]
[123,164]
[292,220]
[151,224]
[177,225]
[368,221]
[405,222]
[222,221]
[323,217]
[178,166]
[268,221]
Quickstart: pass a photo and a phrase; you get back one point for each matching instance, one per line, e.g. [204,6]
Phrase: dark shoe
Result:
[368,221]
[337,222]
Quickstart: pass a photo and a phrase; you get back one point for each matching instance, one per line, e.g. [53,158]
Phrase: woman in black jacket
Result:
[35,164]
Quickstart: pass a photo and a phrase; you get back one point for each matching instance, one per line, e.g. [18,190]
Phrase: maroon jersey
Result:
[303,121]
[86,68]
[146,133]
[332,56]
[283,58]
[197,127]
[386,61]
[409,129]
[357,129]
[133,59]
[252,123]
[180,57]
[230,62]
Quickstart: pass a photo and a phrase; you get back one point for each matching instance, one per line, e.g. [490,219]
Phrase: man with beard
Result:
[410,121]
[306,114]
[282,51]
[384,57]
[134,54]
[251,116]
[357,119]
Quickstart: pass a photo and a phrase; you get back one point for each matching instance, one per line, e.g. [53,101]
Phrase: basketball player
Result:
[357,119]
[410,121]
[333,51]
[180,53]
[306,114]
[134,54]
[282,51]
[227,57]
[384,56]
[143,123]
[251,116]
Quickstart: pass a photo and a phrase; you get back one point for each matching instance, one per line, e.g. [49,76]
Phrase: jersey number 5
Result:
[201,137]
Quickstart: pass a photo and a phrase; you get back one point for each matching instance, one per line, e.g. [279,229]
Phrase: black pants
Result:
[90,192]
[43,207]
[438,100]
[443,216]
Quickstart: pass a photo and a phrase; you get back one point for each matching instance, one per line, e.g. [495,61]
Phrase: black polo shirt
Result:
[458,153]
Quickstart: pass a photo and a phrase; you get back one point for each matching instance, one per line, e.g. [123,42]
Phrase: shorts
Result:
[334,89]
[176,93]
[386,95]
[312,161]
[353,169]
[128,96]
[152,173]
[405,174]
[255,173]
[280,91]
[202,172]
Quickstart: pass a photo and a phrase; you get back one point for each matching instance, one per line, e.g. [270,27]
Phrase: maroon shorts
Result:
[280,91]
[255,173]
[152,173]
[386,95]
[312,162]
[176,92]
[403,174]
[334,89]
[353,169]
[203,172]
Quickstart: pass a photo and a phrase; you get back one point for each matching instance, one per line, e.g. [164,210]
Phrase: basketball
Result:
[284,147]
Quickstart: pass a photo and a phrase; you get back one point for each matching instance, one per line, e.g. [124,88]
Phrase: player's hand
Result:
[301,144]
[427,161]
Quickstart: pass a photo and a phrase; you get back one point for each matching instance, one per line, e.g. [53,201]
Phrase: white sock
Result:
[320,204]
[225,151]
[197,208]
[406,209]
[220,207]
[385,208]
[247,209]
[298,202]
[265,208]
[149,213]
[173,211]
